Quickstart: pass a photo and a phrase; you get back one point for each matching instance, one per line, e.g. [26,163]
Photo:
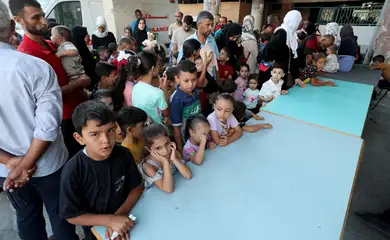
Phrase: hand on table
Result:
[266,126]
[300,83]
[223,140]
[331,84]
[257,117]
[120,224]
[284,92]
[211,145]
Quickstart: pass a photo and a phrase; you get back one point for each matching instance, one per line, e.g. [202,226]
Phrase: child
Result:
[272,88]
[15,42]
[145,96]
[102,52]
[162,160]
[70,57]
[309,74]
[100,184]
[378,62]
[332,64]
[185,102]
[241,114]
[105,96]
[242,82]
[225,70]
[197,133]
[127,32]
[132,120]
[171,74]
[112,52]
[251,94]
[228,86]
[175,55]
[107,74]
[223,125]
[125,50]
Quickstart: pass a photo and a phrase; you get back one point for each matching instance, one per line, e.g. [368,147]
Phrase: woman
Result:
[79,38]
[348,49]
[249,44]
[102,37]
[332,28]
[229,38]
[282,48]
[140,33]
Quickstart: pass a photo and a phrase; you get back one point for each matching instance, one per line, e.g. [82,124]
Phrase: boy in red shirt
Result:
[225,70]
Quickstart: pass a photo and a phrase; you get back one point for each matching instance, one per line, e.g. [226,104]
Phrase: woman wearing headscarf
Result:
[139,33]
[102,37]
[282,48]
[332,28]
[249,43]
[230,39]
[348,49]
[79,36]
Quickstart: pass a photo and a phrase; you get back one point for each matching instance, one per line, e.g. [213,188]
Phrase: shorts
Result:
[77,77]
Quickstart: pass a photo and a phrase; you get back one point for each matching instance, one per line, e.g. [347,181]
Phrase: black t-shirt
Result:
[100,187]
[99,42]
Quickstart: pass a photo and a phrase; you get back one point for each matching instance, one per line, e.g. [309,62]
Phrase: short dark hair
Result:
[225,96]
[130,116]
[188,19]
[204,15]
[17,6]
[318,55]
[244,65]
[152,132]
[190,46]
[187,66]
[217,15]
[64,32]
[379,58]
[112,47]
[278,65]
[101,93]
[239,110]
[101,49]
[127,40]
[192,122]
[171,72]
[129,29]
[227,86]
[105,69]
[142,63]
[253,76]
[227,51]
[137,11]
[91,110]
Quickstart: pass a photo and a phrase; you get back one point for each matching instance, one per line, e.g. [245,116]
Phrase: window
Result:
[68,14]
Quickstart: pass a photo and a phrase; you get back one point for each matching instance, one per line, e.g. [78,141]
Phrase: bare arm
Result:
[181,167]
[89,219]
[265,99]
[318,82]
[215,137]
[236,135]
[174,48]
[178,138]
[255,128]
[165,183]
[5,157]
[68,53]
[131,200]
[199,155]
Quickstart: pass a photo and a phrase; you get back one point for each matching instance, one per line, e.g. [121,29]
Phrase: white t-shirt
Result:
[270,89]
[251,98]
[179,36]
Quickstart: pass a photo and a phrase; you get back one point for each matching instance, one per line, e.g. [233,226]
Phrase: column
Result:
[212,6]
[257,12]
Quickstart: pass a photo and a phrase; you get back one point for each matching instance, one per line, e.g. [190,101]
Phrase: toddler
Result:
[332,64]
[223,125]
[241,114]
[112,52]
[70,57]
[125,50]
[309,74]
[103,55]
[273,87]
[197,131]
[162,160]
[242,82]
[251,94]
[225,70]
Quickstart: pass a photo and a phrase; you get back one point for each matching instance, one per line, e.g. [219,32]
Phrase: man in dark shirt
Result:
[101,183]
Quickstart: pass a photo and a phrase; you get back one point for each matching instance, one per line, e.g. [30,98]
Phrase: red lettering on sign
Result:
[159,29]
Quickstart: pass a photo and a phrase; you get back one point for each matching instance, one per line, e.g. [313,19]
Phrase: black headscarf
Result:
[89,63]
[140,35]
[235,52]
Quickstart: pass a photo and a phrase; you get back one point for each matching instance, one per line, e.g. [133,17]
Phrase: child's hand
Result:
[174,153]
[164,82]
[257,117]
[211,145]
[158,157]
[203,140]
[299,82]
[209,57]
[284,92]
[266,126]
[121,224]
[223,140]
[58,54]
[331,84]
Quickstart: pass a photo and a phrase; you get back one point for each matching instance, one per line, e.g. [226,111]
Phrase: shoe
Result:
[379,221]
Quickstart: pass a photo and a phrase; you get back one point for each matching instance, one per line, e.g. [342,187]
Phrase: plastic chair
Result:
[387,89]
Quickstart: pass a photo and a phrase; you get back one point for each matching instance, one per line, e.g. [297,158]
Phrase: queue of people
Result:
[86,137]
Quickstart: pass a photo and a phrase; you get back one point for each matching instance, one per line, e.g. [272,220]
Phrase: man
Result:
[217,18]
[182,33]
[175,25]
[138,15]
[29,14]
[205,25]
[30,139]
[222,23]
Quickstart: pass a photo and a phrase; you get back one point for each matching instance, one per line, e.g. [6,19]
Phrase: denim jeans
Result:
[28,202]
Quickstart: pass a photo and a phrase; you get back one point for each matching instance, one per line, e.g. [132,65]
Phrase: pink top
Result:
[127,93]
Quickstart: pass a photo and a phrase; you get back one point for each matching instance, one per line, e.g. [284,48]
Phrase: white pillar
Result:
[257,12]
[212,6]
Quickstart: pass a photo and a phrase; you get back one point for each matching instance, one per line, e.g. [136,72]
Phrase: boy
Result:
[101,183]
[378,62]
[185,101]
[272,88]
[70,57]
[107,74]
[225,70]
[102,52]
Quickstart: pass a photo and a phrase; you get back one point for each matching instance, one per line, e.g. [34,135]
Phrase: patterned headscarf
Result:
[248,24]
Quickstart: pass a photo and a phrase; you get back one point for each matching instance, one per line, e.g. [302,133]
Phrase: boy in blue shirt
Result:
[185,100]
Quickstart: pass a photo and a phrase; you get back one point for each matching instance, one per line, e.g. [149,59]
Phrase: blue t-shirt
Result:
[184,105]
[134,25]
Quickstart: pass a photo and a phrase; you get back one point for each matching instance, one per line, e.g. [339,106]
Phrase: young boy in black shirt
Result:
[101,183]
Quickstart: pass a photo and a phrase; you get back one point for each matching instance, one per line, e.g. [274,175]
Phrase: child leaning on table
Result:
[223,125]
[309,73]
[242,115]
[162,159]
[101,183]
[197,130]
[272,88]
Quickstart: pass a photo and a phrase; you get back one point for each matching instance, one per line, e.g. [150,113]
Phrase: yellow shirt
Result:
[135,149]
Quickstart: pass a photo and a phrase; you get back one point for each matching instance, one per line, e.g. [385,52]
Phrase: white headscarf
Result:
[248,24]
[332,28]
[290,24]
[101,22]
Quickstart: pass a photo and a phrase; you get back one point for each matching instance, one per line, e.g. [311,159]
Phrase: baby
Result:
[332,64]
[150,43]
[273,87]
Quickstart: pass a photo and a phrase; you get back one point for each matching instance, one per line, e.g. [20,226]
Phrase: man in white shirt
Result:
[175,25]
[182,33]
[32,150]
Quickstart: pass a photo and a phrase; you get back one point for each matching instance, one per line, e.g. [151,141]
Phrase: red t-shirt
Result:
[311,45]
[30,47]
[224,70]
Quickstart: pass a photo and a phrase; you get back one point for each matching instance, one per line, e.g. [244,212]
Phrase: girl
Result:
[251,94]
[131,121]
[223,125]
[162,160]
[242,82]
[309,74]
[140,33]
[197,131]
[332,64]
[348,49]
[127,32]
[102,37]
[144,95]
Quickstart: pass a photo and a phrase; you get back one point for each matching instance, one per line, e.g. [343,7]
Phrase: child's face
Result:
[201,129]
[253,84]
[109,81]
[329,51]
[108,102]
[98,139]
[104,55]
[55,38]
[277,74]
[150,37]
[187,81]
[320,63]
[223,56]
[115,53]
[136,131]
[223,109]
[375,65]
[199,65]
[244,72]
[162,145]
[127,33]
